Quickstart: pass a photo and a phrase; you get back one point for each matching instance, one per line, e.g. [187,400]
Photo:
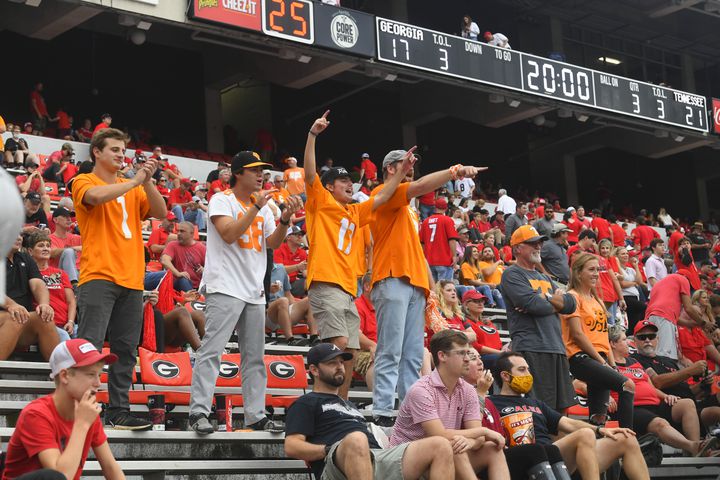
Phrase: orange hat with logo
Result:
[526,233]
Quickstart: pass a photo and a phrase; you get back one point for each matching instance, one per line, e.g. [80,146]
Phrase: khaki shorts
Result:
[362,362]
[387,463]
[335,313]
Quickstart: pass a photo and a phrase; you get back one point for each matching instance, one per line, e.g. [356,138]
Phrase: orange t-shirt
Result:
[397,251]
[593,320]
[496,276]
[468,272]
[294,180]
[280,196]
[111,234]
[363,237]
[331,229]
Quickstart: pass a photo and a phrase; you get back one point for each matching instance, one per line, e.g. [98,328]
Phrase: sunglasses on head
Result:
[646,336]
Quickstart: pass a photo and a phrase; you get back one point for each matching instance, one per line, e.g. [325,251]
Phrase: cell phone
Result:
[42,226]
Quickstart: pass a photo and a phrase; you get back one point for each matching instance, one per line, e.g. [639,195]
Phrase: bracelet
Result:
[283,222]
[454,170]
[312,133]
[256,206]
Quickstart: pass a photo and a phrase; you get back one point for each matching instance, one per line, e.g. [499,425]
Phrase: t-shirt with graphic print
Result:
[525,420]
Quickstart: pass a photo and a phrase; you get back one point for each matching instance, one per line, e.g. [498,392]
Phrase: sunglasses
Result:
[646,336]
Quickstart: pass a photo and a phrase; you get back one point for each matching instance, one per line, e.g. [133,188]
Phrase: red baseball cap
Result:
[644,324]
[138,152]
[171,216]
[186,181]
[441,203]
[77,352]
[473,295]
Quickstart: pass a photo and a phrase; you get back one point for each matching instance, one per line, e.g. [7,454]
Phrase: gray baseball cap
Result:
[392,157]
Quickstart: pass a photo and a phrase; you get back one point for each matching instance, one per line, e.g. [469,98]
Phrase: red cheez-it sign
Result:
[716,115]
[236,13]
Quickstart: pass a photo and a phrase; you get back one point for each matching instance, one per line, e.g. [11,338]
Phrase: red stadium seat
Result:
[51,189]
[285,371]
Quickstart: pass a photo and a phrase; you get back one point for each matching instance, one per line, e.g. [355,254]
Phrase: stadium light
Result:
[304,58]
[582,117]
[513,102]
[610,60]
[678,138]
[12,215]
[137,37]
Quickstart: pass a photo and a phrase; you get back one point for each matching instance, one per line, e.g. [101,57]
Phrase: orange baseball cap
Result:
[524,234]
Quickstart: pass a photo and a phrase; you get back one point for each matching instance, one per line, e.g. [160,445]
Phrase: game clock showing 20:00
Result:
[288,19]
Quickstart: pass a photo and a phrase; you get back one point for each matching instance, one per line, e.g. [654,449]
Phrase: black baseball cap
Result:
[62,212]
[333,174]
[34,197]
[324,352]
[247,159]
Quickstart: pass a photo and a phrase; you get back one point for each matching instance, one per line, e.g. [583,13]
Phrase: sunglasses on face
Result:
[646,336]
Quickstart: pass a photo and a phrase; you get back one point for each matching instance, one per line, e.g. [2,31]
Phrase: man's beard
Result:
[647,351]
[334,380]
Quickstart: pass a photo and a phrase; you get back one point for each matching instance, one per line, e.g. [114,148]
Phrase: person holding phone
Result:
[57,431]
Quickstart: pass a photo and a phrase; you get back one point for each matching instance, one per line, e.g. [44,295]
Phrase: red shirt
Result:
[619,235]
[454,323]
[216,184]
[85,132]
[665,299]
[487,335]
[690,271]
[39,103]
[368,320]
[693,342]
[34,185]
[57,281]
[157,237]
[480,226]
[40,427]
[674,240]
[187,259]
[576,248]
[506,254]
[100,126]
[575,227]
[643,235]
[428,199]
[540,211]
[608,268]
[63,120]
[70,240]
[286,256]
[178,196]
[69,172]
[645,393]
[370,169]
[602,226]
[436,232]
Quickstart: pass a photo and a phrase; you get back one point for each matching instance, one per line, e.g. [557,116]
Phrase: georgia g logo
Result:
[228,369]
[165,369]
[282,370]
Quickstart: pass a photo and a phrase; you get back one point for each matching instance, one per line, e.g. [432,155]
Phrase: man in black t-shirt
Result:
[18,318]
[35,216]
[699,244]
[528,421]
[331,434]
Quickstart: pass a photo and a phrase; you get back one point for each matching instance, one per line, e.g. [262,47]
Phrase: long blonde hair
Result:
[579,262]
[447,310]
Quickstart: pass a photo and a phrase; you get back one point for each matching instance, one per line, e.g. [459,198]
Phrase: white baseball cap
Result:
[77,352]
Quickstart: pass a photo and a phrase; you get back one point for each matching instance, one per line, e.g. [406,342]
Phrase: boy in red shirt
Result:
[57,431]
[180,198]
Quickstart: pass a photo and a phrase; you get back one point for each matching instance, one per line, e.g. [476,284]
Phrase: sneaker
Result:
[267,425]
[314,340]
[125,420]
[297,342]
[381,421]
[706,446]
[200,424]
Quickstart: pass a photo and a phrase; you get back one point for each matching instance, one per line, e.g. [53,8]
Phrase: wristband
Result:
[256,206]
[312,133]
[283,222]
[454,170]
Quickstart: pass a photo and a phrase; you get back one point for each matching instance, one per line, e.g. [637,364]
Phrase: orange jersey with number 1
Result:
[331,230]
[111,234]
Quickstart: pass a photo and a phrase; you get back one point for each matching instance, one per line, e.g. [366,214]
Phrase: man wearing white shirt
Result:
[497,40]
[465,187]
[506,204]
[240,230]
[655,269]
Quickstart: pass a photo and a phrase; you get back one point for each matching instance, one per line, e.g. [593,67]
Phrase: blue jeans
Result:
[68,263]
[152,280]
[178,211]
[494,297]
[441,273]
[400,309]
[198,217]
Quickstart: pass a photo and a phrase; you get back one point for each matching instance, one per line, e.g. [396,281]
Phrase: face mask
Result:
[521,384]
[16,134]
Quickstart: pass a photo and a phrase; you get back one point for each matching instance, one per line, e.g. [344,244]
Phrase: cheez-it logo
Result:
[541,286]
[207,3]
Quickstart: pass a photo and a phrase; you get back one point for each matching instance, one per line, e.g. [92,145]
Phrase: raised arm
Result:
[157,202]
[309,163]
[435,180]
[394,180]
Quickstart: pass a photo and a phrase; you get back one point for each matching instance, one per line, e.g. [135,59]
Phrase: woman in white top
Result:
[665,219]
[631,283]
[469,29]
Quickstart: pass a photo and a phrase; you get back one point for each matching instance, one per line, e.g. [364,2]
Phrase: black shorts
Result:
[643,415]
[551,379]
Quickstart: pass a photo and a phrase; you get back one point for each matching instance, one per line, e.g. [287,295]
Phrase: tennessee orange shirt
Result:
[396,245]
[280,196]
[294,180]
[331,230]
[364,240]
[593,321]
[111,234]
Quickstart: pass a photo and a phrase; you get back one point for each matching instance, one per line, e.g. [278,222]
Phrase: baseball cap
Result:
[326,351]
[441,203]
[200,187]
[294,231]
[171,216]
[34,197]
[462,230]
[62,212]
[185,181]
[644,324]
[193,180]
[77,352]
[138,152]
[247,159]
[526,233]
[392,157]
[68,147]
[559,228]
[365,155]
[333,174]
[698,225]
[570,209]
[473,295]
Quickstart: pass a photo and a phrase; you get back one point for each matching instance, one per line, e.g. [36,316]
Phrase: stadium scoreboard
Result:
[454,56]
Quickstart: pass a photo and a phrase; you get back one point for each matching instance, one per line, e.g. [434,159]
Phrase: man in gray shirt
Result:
[516,220]
[533,304]
[554,254]
[545,224]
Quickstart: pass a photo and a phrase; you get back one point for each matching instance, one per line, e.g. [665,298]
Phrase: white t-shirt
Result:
[500,40]
[237,269]
[506,204]
[473,32]
[465,187]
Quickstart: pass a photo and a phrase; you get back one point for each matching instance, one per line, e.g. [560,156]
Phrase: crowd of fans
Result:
[392,276]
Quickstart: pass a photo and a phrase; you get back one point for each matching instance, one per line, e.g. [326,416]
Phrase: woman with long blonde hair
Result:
[585,334]
[451,310]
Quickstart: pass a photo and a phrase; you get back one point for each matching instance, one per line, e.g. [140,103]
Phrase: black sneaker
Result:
[125,420]
[381,421]
[267,425]
[315,340]
[200,424]
[297,342]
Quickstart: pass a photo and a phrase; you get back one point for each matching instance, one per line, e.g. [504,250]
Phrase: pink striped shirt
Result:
[428,399]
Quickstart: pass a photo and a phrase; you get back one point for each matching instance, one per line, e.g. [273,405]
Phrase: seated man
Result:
[284,311]
[17,150]
[331,434]
[19,327]
[58,161]
[62,297]
[32,181]
[161,235]
[35,214]
[292,254]
[441,404]
[196,213]
[66,246]
[180,326]
[58,430]
[180,199]
[527,421]
[184,258]
[365,357]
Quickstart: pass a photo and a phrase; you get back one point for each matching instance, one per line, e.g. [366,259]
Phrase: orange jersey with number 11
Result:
[331,229]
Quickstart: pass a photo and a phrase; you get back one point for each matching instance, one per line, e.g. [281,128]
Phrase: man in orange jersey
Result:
[109,213]
[294,177]
[401,282]
[332,268]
